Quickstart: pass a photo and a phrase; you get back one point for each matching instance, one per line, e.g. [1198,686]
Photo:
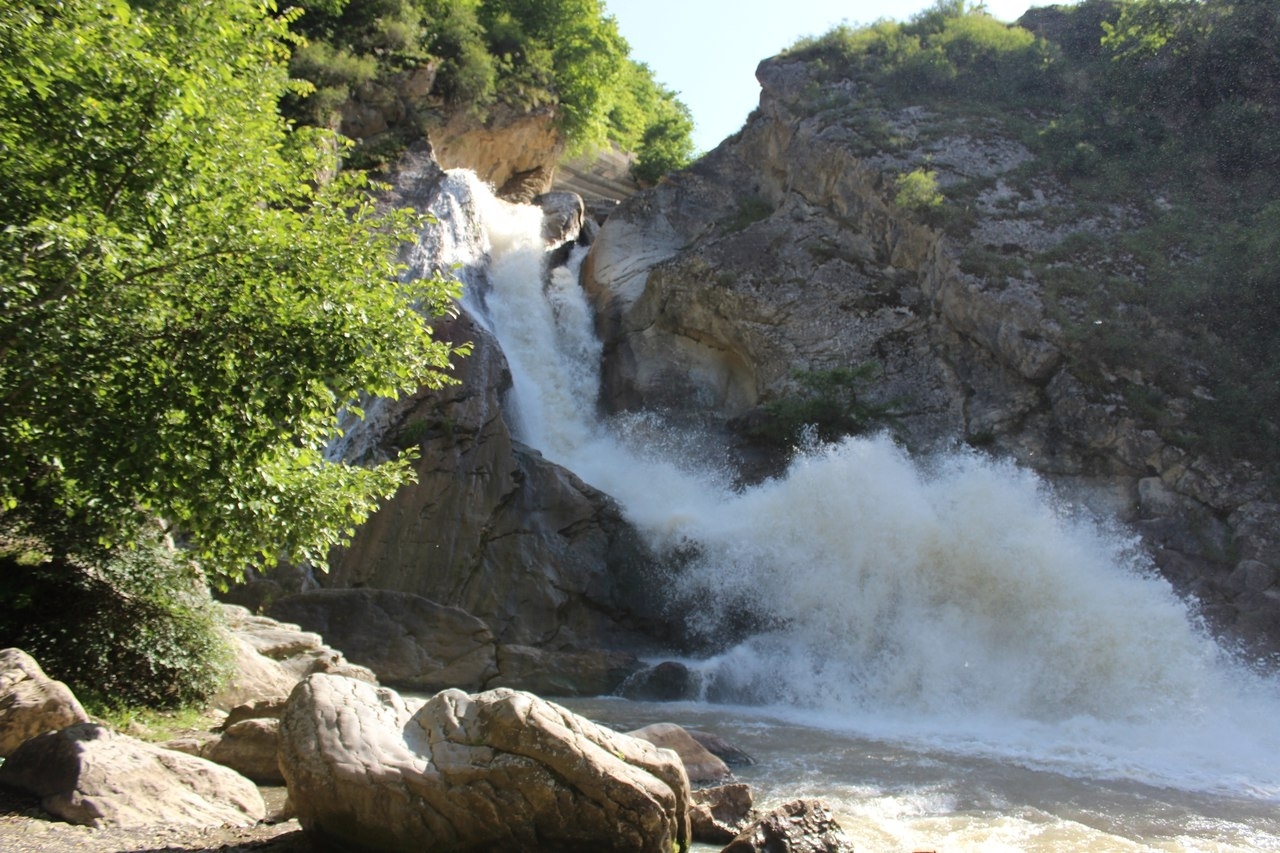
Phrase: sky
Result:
[708,50]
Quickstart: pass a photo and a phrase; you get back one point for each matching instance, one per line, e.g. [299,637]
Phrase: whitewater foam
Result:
[952,602]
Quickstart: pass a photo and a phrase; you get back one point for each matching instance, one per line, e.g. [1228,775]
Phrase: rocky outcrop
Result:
[514,150]
[493,528]
[31,703]
[783,251]
[501,770]
[89,775]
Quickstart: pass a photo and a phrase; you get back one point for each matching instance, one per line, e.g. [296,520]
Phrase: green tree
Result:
[185,301]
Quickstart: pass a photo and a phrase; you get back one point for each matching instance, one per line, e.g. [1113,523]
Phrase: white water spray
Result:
[953,603]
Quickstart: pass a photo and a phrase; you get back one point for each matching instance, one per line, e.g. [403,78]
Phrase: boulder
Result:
[89,775]
[563,673]
[31,703]
[407,640]
[701,765]
[800,826]
[249,747]
[562,216]
[722,749]
[719,814]
[669,681]
[271,656]
[501,770]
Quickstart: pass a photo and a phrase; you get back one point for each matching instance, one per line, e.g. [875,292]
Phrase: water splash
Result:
[952,600]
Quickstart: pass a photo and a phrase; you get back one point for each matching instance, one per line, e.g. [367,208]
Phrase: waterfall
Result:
[951,598]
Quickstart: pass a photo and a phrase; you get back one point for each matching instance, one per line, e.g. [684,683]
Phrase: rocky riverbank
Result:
[364,769]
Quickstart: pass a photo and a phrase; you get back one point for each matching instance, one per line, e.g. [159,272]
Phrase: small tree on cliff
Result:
[185,304]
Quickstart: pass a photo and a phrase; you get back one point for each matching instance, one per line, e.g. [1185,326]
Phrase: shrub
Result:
[828,402]
[917,190]
[125,626]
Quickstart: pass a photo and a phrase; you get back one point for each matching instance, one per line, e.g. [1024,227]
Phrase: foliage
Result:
[953,49]
[648,119]
[119,626]
[751,209]
[525,53]
[185,304]
[828,402]
[917,190]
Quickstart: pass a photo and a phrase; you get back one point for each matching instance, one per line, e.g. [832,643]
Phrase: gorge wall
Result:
[783,251]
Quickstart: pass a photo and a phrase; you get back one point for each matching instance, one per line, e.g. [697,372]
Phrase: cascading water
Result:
[949,605]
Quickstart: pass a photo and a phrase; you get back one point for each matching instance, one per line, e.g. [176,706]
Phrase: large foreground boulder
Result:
[501,770]
[31,703]
[89,775]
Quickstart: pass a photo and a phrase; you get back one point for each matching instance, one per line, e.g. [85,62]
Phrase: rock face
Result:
[404,638]
[783,251]
[501,770]
[31,703]
[89,775]
[490,526]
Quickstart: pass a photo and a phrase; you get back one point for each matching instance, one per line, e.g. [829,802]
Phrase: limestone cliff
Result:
[784,251]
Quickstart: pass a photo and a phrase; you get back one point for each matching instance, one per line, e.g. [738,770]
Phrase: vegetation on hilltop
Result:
[525,53]
[1169,107]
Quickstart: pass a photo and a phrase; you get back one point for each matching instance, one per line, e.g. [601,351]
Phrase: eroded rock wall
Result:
[783,251]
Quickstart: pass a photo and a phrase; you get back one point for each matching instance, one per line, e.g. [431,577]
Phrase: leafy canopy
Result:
[523,53]
[187,295]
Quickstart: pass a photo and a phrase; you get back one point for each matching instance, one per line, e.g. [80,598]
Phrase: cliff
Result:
[790,251]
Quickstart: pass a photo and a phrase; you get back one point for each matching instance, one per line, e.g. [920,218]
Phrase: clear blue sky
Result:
[707,50]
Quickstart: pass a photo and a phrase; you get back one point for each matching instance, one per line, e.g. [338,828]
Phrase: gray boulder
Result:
[800,826]
[719,814]
[89,775]
[501,770]
[31,703]
[699,763]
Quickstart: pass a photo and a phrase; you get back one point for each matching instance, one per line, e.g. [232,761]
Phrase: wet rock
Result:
[669,681]
[722,749]
[719,814]
[800,826]
[562,673]
[700,764]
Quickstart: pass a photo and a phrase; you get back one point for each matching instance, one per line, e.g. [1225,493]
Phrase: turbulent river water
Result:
[955,659]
